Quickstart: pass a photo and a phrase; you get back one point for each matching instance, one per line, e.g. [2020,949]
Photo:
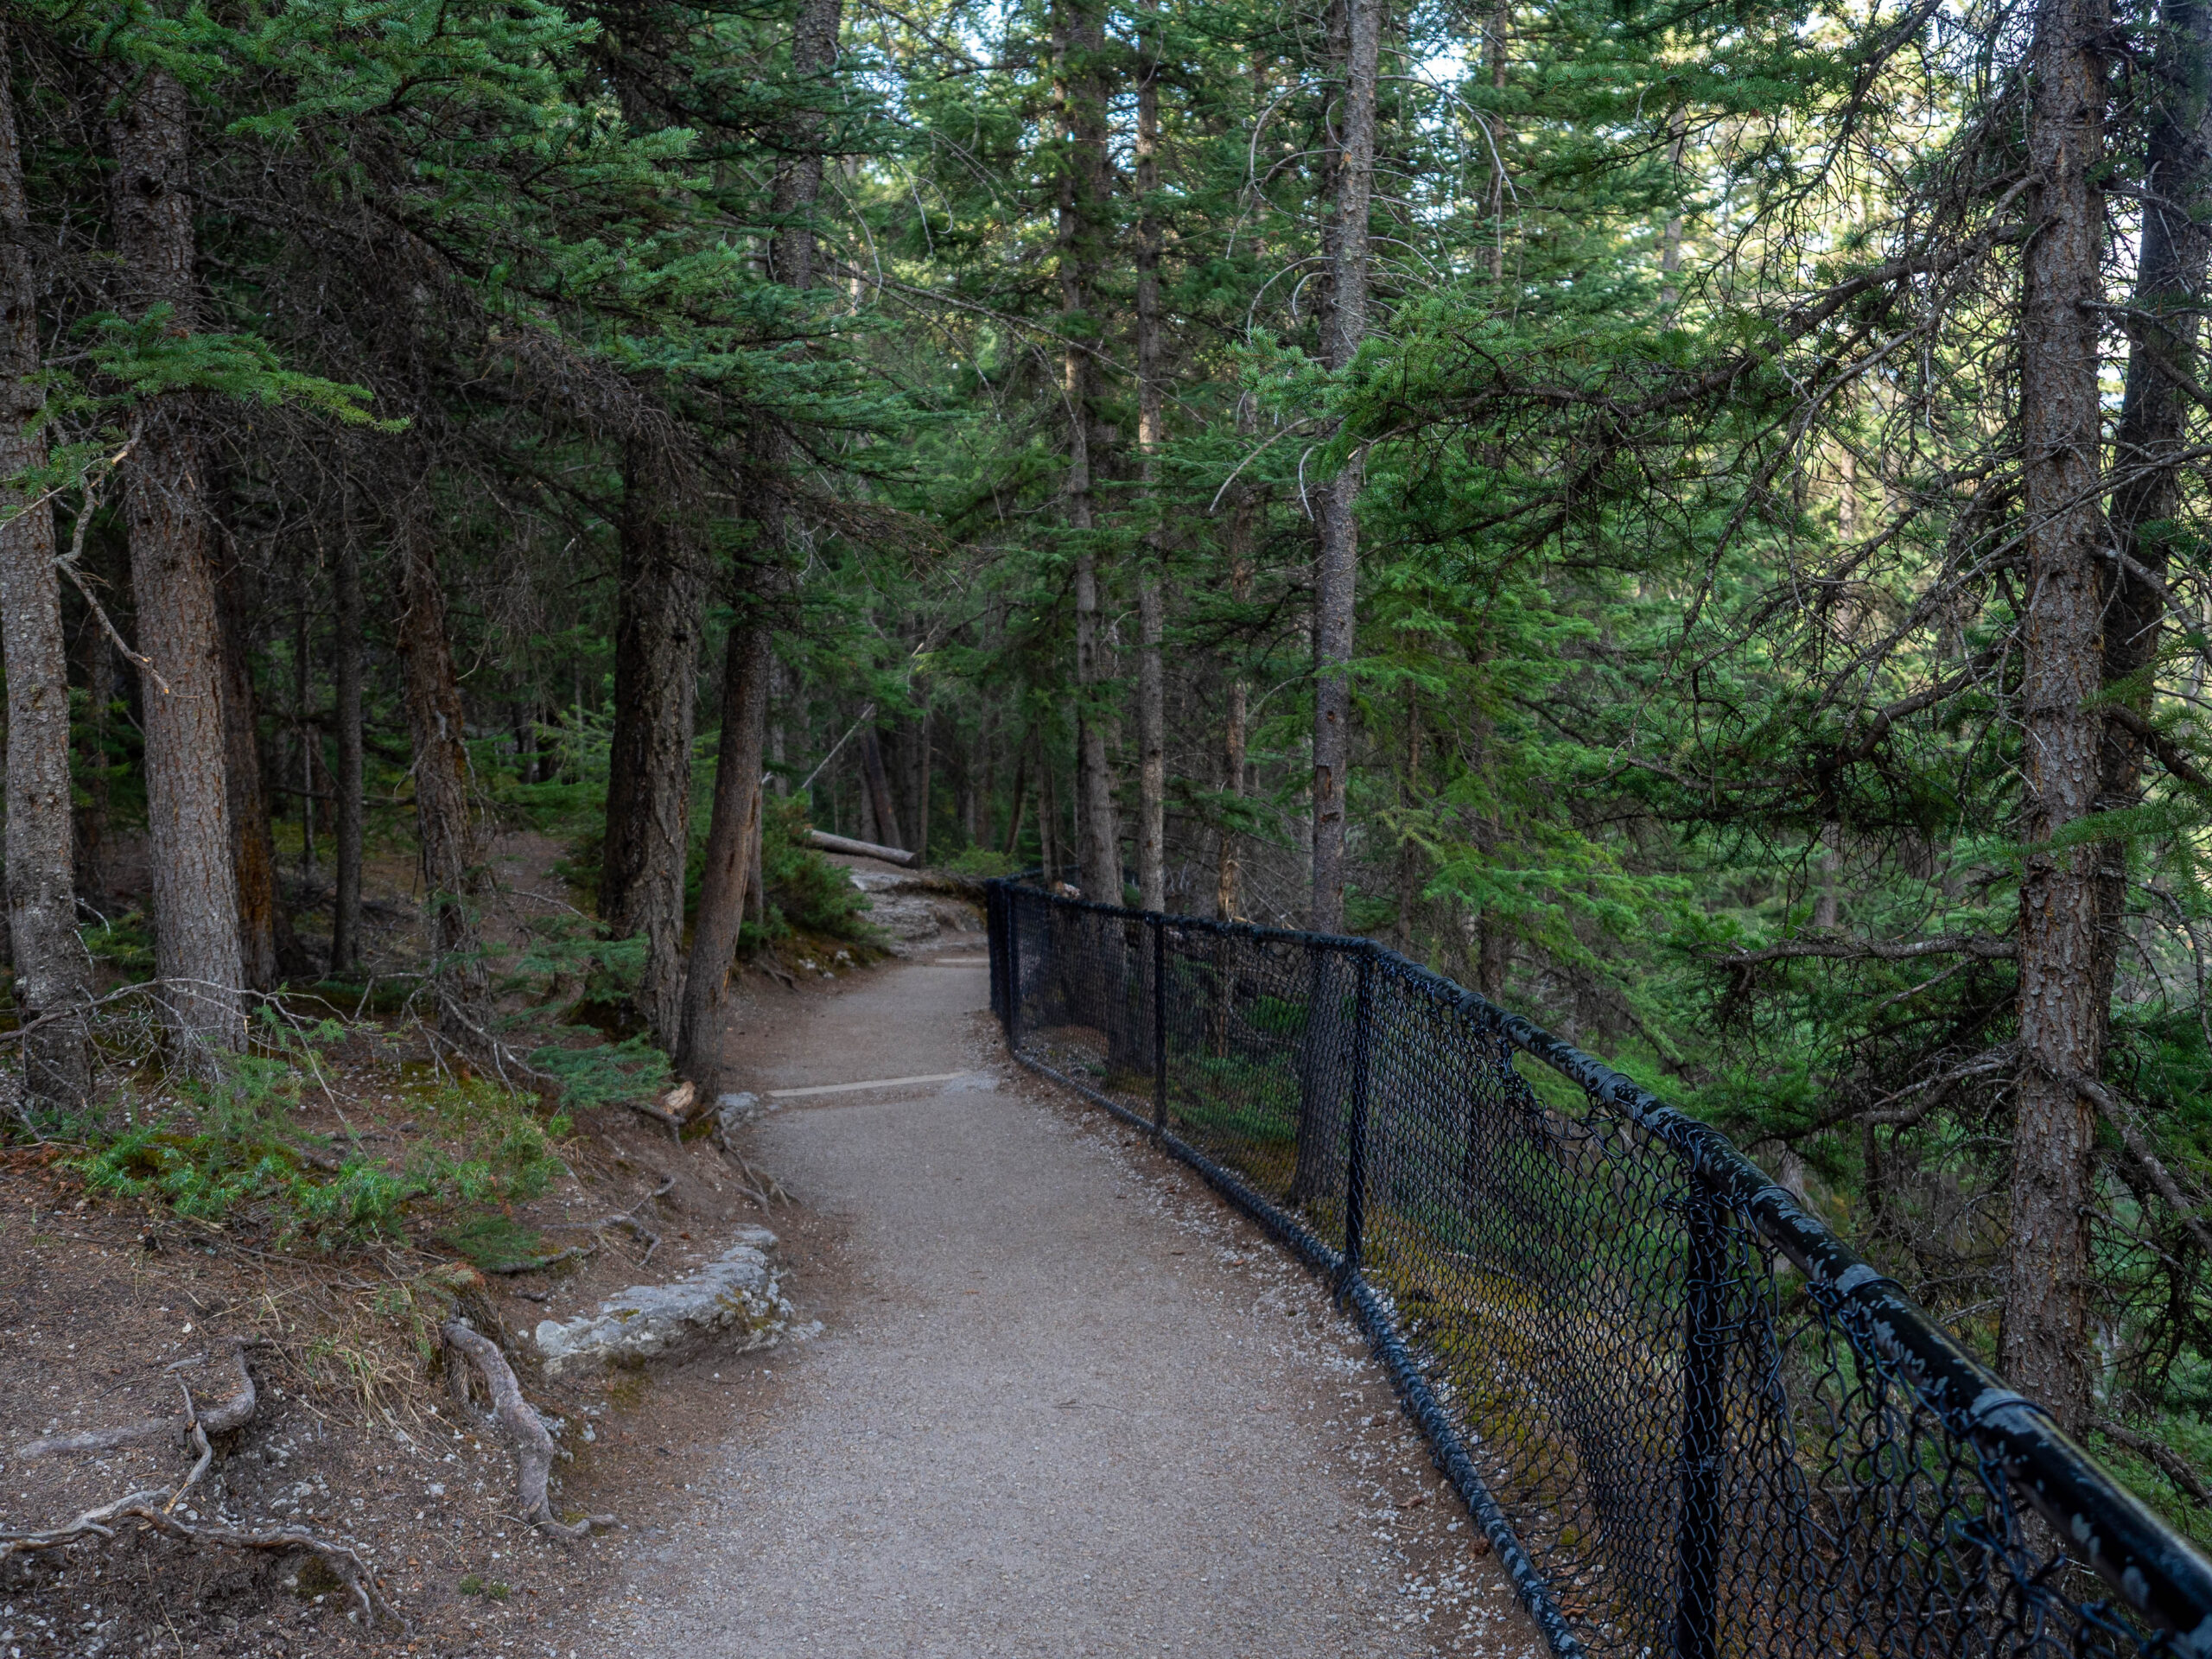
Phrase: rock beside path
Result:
[919,907]
[733,1299]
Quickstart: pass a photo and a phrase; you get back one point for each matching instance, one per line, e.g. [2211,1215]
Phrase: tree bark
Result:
[1079,96]
[2043,1343]
[1227,901]
[877,782]
[1020,800]
[197,950]
[1338,570]
[648,837]
[99,698]
[720,923]
[445,818]
[733,828]
[303,732]
[1051,851]
[53,974]
[253,847]
[920,761]
[1152,712]
[346,784]
[1501,21]
[2171,267]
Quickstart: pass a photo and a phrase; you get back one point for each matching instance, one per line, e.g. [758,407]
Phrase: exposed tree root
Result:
[533,1446]
[758,1185]
[639,1231]
[668,1121]
[627,1220]
[231,1412]
[574,1253]
[155,1509]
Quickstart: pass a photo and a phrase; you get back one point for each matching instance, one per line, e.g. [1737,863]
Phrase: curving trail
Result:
[1066,1403]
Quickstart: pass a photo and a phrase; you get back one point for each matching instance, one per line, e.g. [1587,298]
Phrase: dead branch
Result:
[1980,945]
[2123,1122]
[2169,1463]
[2168,753]
[533,1446]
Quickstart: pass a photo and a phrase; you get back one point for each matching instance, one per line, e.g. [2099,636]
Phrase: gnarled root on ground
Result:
[760,1185]
[156,1507]
[764,1189]
[228,1413]
[533,1446]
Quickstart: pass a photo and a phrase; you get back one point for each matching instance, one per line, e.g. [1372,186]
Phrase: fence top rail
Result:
[2156,1571]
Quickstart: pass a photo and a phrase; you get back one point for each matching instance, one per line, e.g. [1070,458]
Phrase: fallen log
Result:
[830,844]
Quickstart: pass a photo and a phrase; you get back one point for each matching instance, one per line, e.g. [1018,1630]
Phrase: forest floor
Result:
[1065,1401]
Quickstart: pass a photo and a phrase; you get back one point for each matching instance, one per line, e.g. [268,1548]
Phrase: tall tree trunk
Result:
[53,975]
[253,847]
[445,818]
[303,732]
[99,698]
[1080,95]
[732,830]
[196,943]
[1227,901]
[877,782]
[1050,850]
[346,786]
[919,760]
[648,837]
[2169,273]
[2062,1023]
[1670,245]
[1336,575]
[1411,867]
[1494,43]
[779,692]
[720,923]
[1152,706]
[1827,905]
[1020,800]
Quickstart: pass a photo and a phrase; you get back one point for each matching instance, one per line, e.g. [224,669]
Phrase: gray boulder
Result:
[734,1301]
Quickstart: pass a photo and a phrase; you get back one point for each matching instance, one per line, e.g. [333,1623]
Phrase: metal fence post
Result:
[1013,973]
[1705,1359]
[1159,1024]
[1355,1150]
[995,932]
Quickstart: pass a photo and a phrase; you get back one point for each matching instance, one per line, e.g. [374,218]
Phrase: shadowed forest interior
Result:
[1690,520]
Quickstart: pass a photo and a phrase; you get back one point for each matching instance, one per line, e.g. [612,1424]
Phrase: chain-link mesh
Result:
[1691,1421]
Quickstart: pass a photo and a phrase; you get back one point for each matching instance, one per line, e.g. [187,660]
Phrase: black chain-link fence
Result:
[1691,1421]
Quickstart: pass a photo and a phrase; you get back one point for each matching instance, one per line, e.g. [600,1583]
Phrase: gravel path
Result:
[1067,1402]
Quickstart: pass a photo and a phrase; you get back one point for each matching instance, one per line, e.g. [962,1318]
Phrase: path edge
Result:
[1379,1324]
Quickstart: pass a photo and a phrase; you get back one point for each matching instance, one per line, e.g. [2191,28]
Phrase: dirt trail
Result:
[1066,1401]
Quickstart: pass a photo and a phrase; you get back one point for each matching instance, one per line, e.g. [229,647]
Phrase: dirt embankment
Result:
[107,1307]
[355,1191]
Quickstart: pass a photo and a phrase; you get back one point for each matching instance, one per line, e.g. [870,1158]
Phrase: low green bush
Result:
[228,1152]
